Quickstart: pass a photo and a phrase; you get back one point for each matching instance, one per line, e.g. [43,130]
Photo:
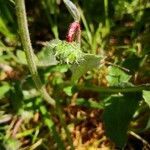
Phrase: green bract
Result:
[65,52]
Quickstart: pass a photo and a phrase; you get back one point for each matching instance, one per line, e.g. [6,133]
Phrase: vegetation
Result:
[83,83]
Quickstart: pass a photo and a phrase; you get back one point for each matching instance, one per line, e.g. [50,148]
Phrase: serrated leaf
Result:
[117,77]
[146,96]
[117,115]
[88,63]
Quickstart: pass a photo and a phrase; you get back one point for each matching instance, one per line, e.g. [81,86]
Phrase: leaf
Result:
[47,119]
[147,127]
[117,115]
[88,63]
[46,57]
[12,143]
[17,98]
[146,96]
[73,10]
[90,103]
[68,90]
[4,89]
[117,77]
[21,57]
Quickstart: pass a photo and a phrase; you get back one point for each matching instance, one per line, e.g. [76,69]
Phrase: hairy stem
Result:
[26,43]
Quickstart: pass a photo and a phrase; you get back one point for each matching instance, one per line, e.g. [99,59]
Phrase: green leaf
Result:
[117,77]
[16,97]
[51,126]
[46,57]
[68,90]
[7,21]
[73,10]
[146,96]
[88,63]
[4,88]
[90,103]
[117,115]
[12,143]
[21,57]
[147,127]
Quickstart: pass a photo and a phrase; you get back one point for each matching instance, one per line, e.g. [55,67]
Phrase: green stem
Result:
[52,22]
[86,28]
[114,89]
[107,24]
[26,43]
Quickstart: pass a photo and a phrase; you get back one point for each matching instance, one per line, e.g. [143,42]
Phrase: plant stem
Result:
[86,28]
[106,14]
[64,125]
[114,89]
[140,138]
[26,43]
[51,21]
[107,23]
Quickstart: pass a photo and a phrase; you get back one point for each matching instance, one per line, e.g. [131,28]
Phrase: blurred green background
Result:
[118,31]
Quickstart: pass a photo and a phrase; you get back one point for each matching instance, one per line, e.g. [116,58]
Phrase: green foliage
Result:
[45,58]
[146,96]
[7,17]
[90,103]
[4,88]
[88,63]
[117,77]
[51,126]
[65,52]
[118,32]
[12,144]
[68,90]
[117,115]
[73,10]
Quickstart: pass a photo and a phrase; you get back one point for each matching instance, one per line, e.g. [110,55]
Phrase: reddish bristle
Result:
[73,29]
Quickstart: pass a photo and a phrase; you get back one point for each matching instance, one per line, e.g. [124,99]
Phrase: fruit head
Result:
[68,52]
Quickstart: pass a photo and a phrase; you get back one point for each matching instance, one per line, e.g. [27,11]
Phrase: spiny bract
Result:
[66,52]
